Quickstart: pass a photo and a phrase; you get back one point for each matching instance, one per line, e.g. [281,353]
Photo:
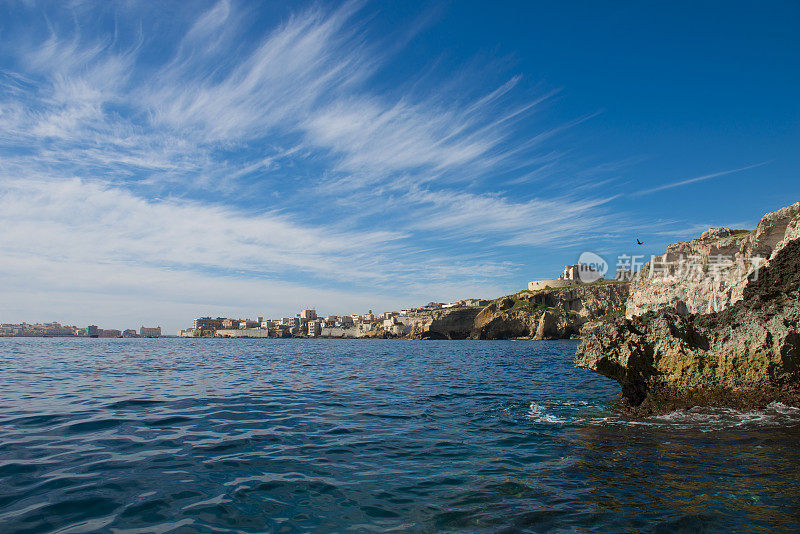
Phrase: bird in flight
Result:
[639,242]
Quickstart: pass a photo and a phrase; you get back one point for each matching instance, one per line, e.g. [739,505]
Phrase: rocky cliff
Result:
[449,323]
[748,353]
[709,274]
[550,313]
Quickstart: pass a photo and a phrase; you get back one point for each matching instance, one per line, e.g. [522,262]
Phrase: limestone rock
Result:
[549,313]
[746,353]
[449,323]
[717,233]
[710,273]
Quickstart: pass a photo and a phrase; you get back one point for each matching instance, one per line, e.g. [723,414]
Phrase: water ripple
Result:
[328,436]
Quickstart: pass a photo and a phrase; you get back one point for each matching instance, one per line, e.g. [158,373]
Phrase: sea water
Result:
[182,435]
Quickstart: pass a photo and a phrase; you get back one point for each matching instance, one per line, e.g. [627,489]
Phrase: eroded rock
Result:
[690,276]
[747,354]
[549,313]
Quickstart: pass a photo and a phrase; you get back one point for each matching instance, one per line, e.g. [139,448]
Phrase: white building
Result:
[150,332]
[569,277]
[313,328]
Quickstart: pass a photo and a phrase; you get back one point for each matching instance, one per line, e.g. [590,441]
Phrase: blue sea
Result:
[185,436]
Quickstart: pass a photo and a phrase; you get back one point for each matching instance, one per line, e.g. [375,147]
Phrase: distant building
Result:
[150,332]
[391,321]
[474,302]
[111,332]
[55,329]
[189,332]
[364,327]
[37,330]
[206,326]
[308,315]
[130,332]
[313,328]
[571,272]
[398,329]
[92,330]
[570,277]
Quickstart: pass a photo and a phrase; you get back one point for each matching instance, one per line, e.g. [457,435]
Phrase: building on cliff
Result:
[308,315]
[573,275]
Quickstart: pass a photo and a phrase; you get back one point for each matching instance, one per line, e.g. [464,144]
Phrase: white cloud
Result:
[89,237]
[91,129]
[88,221]
[305,78]
[532,222]
[696,179]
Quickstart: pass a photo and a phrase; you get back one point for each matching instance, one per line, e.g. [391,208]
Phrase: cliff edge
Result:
[746,354]
[557,313]
[709,274]
[452,323]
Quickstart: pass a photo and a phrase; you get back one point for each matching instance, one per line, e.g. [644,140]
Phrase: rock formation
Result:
[550,313]
[709,273]
[448,323]
[748,353]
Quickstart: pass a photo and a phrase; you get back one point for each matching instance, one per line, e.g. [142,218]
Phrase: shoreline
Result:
[297,338]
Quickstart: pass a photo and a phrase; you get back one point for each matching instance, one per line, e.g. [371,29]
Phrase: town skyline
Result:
[57,329]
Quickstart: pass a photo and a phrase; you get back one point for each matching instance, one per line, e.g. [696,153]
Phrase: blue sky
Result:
[162,162]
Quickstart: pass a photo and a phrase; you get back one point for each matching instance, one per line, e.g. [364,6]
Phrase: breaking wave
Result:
[539,414]
[708,419]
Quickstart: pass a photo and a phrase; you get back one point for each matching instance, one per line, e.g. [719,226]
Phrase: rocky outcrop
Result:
[709,274]
[746,354]
[448,323]
[550,313]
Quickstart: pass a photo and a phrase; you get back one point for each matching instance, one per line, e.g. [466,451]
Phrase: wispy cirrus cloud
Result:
[113,226]
[40,217]
[305,78]
[248,153]
[508,222]
[696,179]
